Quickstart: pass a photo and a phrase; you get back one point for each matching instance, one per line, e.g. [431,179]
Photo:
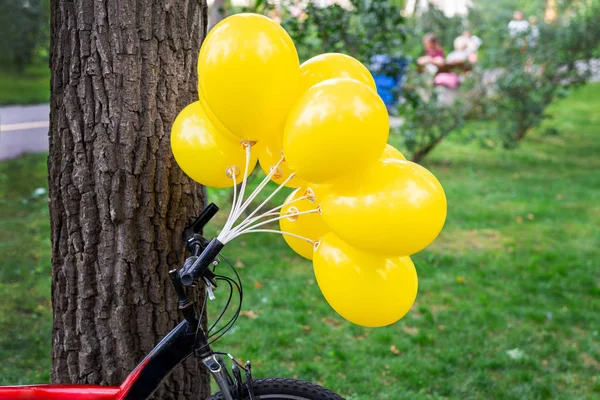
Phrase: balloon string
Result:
[236,204]
[232,204]
[241,231]
[226,237]
[273,231]
[258,189]
[271,212]
[236,209]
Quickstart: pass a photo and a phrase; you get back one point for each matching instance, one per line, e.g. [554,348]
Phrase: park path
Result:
[23,129]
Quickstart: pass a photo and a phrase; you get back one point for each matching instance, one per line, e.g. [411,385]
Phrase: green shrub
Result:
[24,28]
[429,115]
[534,71]
[369,28]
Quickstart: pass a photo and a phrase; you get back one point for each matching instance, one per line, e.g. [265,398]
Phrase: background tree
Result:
[218,11]
[23,42]
[121,71]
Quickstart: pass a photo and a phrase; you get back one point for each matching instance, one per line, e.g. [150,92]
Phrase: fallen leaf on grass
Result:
[460,279]
[331,322]
[519,219]
[411,330]
[250,314]
[258,285]
[530,217]
[590,361]
[306,328]
[394,350]
[239,264]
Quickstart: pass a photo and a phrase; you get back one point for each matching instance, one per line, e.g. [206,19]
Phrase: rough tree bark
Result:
[121,71]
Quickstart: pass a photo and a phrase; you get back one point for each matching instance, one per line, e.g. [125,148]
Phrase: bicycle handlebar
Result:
[196,270]
[206,215]
[197,266]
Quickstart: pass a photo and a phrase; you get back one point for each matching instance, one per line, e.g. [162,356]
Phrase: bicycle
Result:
[188,339]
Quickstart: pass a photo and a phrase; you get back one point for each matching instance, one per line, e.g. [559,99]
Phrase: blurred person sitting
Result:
[461,51]
[474,43]
[456,59]
[518,28]
[434,53]
[459,60]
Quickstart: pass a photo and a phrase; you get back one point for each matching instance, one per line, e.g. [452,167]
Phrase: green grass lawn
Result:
[509,300]
[31,86]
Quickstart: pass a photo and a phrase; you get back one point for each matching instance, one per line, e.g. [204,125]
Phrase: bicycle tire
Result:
[285,389]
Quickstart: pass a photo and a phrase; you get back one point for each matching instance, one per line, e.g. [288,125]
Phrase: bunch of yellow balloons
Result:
[360,209]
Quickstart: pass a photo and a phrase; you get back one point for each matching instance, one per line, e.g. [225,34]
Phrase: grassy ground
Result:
[25,309]
[31,86]
[509,301]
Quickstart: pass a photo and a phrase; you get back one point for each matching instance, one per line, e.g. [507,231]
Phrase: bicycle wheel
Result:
[285,389]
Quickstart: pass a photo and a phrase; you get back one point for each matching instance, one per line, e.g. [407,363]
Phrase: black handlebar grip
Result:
[205,216]
[189,275]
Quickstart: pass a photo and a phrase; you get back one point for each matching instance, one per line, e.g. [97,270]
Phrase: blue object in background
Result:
[385,82]
[389,75]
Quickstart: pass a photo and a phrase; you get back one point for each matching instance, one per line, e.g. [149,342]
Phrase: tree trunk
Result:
[121,71]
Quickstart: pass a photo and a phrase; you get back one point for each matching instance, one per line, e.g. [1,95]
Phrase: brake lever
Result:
[209,289]
[248,371]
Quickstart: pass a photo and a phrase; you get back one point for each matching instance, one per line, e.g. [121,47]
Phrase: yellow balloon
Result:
[214,121]
[364,288]
[338,126]
[317,191]
[269,156]
[310,226]
[332,65]
[203,153]
[248,72]
[394,208]
[392,152]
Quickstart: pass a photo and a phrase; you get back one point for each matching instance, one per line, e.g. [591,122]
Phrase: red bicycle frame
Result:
[178,345]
